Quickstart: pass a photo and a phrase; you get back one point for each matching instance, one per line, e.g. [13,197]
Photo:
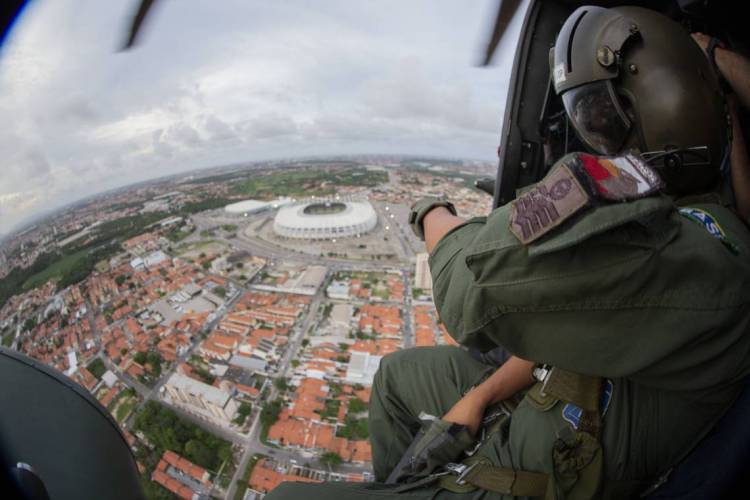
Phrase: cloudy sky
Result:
[217,82]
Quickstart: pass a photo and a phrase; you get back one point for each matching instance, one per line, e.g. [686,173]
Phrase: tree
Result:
[220,291]
[305,342]
[197,452]
[29,324]
[331,459]
[281,384]
[356,405]
[270,413]
[242,412]
[155,360]
[120,279]
[140,358]
[97,368]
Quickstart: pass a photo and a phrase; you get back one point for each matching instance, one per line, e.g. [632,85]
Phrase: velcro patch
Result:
[620,178]
[545,206]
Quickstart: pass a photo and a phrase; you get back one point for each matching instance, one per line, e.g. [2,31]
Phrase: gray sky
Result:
[217,82]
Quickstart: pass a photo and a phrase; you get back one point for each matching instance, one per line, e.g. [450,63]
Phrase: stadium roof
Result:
[247,206]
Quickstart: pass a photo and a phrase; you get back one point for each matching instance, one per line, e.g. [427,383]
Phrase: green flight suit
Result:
[653,297]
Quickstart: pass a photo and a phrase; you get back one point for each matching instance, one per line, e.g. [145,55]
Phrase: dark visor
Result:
[597,116]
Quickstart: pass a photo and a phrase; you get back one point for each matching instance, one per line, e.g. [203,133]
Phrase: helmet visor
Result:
[597,116]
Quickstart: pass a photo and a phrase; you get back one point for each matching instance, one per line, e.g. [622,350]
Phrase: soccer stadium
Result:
[325,220]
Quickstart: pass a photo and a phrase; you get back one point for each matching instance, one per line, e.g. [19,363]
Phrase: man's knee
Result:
[404,365]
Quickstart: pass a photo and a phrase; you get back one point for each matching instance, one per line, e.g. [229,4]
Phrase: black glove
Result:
[420,209]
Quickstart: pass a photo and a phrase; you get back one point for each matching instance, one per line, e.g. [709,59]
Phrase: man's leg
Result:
[409,382]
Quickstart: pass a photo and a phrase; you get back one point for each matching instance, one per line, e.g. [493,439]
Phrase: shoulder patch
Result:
[545,206]
[709,222]
[620,178]
[572,413]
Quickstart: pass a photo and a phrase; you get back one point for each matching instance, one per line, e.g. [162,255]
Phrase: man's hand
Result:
[514,375]
[702,40]
[468,411]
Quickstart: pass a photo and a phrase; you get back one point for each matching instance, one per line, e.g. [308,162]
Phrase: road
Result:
[250,443]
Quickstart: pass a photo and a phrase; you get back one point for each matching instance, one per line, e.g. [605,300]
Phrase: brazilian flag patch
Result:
[710,224]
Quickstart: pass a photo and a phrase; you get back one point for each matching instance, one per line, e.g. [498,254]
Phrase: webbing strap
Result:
[581,390]
[507,481]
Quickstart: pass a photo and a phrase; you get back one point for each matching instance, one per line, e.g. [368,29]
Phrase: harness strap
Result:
[581,390]
[506,481]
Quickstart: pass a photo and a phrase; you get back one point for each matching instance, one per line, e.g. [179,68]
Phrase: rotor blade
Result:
[137,22]
[504,14]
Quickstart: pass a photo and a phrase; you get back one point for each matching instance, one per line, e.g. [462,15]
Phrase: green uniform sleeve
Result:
[626,289]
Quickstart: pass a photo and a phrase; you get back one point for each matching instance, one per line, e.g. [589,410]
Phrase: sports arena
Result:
[322,220]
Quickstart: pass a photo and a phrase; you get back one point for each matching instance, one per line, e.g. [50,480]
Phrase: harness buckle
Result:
[460,470]
[542,374]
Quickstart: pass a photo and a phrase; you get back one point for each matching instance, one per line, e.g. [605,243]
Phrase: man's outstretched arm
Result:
[437,223]
[513,376]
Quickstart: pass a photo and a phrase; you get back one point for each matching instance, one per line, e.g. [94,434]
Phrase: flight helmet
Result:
[633,79]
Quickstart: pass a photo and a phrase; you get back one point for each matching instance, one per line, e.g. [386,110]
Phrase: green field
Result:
[307,182]
[124,408]
[56,270]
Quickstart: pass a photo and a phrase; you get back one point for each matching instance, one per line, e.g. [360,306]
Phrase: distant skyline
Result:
[214,83]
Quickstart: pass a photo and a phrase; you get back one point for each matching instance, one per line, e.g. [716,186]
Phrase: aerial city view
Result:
[232,320]
[369,250]
[204,230]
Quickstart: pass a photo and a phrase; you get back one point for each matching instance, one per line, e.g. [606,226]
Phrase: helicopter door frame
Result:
[521,155]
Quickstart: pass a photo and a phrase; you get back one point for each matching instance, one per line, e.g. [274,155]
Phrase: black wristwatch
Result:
[421,208]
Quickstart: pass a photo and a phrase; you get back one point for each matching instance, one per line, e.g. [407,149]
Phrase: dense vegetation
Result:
[207,204]
[164,430]
[354,428]
[97,368]
[307,182]
[242,413]
[151,357]
[268,416]
[331,459]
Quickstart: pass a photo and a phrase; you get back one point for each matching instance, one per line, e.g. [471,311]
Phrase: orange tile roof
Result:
[265,479]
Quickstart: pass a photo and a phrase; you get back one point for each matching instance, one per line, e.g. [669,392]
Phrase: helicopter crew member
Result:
[624,303]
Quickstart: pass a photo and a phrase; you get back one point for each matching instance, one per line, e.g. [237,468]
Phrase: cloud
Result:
[226,82]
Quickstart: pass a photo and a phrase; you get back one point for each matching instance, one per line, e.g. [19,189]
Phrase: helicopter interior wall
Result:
[52,424]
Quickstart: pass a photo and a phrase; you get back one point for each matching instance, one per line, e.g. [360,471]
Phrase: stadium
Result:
[325,220]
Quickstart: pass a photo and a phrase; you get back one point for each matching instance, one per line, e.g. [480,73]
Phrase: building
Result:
[362,368]
[305,282]
[423,278]
[155,258]
[181,476]
[248,363]
[247,207]
[325,220]
[203,399]
[338,290]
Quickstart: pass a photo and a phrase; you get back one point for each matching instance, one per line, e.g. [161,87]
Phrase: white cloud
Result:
[231,81]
